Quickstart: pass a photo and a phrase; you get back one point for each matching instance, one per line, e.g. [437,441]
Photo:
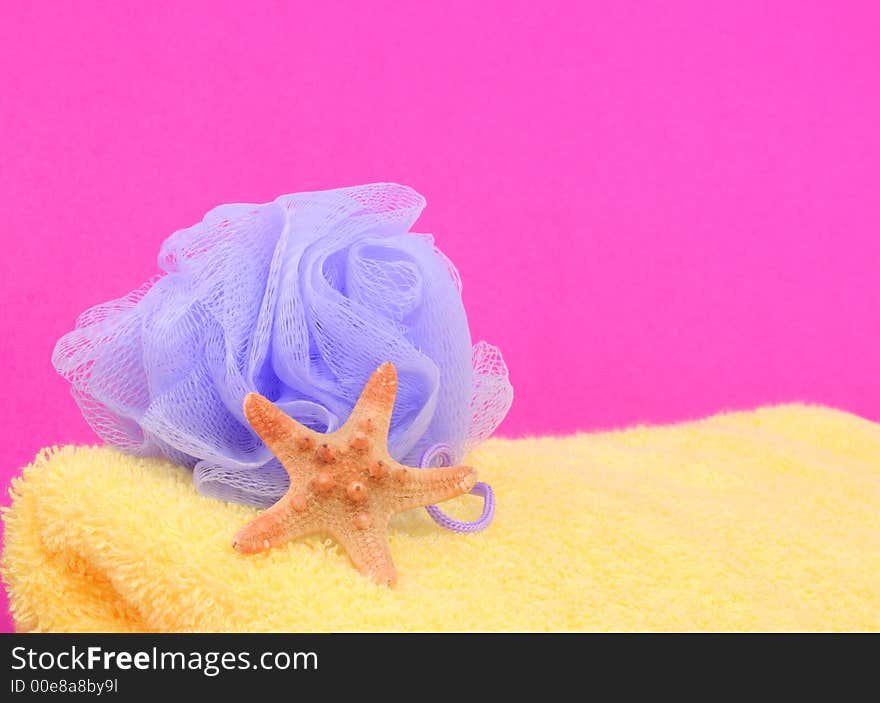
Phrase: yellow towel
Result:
[765,520]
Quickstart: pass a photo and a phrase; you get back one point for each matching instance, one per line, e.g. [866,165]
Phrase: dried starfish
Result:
[344,484]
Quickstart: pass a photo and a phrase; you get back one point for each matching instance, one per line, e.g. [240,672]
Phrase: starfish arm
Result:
[274,426]
[369,551]
[273,527]
[414,488]
[376,402]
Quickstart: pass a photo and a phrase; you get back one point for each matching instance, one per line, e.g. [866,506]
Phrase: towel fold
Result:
[764,520]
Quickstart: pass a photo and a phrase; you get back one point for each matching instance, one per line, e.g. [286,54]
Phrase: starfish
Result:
[345,483]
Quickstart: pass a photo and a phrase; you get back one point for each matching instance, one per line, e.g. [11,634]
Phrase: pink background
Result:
[659,210]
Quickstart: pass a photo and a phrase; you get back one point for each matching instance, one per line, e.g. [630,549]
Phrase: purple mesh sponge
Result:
[299,299]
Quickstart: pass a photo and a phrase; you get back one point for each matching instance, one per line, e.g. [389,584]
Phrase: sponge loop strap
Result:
[443,455]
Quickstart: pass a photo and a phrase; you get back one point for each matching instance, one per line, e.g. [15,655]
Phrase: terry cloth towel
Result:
[764,520]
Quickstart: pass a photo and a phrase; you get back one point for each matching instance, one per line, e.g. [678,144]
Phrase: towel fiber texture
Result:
[764,520]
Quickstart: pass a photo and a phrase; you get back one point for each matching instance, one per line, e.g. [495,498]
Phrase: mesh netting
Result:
[300,300]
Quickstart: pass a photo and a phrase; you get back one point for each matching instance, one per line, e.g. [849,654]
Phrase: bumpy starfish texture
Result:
[344,484]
